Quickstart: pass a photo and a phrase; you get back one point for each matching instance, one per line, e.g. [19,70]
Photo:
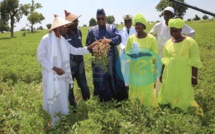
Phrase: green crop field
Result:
[21,95]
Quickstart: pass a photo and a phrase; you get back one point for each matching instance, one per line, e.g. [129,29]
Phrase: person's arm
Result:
[42,58]
[194,55]
[78,51]
[188,31]
[122,44]
[59,71]
[81,50]
[129,44]
[194,76]
[115,40]
[161,76]
[42,55]
[164,61]
[194,61]
[154,30]
[154,47]
[90,38]
[80,33]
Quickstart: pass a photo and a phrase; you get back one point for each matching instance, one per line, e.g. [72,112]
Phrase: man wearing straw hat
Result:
[74,37]
[53,55]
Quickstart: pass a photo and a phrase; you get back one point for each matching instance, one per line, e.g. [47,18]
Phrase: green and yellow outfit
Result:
[179,58]
[144,93]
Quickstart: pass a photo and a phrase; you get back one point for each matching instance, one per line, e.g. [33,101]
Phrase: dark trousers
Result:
[102,87]
[108,87]
[82,83]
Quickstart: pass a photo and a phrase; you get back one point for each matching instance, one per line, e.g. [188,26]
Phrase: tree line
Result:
[12,10]
[110,20]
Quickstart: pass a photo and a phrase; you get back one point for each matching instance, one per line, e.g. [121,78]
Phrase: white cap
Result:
[128,17]
[169,9]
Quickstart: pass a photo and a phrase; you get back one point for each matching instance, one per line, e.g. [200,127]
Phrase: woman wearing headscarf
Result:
[180,67]
[141,76]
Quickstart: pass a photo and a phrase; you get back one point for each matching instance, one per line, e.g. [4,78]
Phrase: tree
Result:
[92,22]
[189,19]
[48,26]
[110,19]
[84,25]
[40,28]
[11,10]
[205,17]
[197,17]
[34,17]
[23,29]
[179,10]
[4,27]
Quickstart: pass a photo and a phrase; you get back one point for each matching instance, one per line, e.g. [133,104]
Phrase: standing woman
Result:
[138,87]
[180,68]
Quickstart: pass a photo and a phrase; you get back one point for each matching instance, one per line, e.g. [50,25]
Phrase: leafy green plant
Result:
[21,95]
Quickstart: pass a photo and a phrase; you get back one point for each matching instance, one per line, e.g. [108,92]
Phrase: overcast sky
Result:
[118,8]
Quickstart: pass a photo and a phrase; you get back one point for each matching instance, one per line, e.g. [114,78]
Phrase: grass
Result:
[21,94]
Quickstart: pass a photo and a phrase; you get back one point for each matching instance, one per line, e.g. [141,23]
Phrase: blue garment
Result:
[77,67]
[100,12]
[75,40]
[106,85]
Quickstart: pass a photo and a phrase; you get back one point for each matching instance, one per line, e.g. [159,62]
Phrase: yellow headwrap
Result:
[177,23]
[140,18]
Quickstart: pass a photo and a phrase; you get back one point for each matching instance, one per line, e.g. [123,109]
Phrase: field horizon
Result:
[21,94]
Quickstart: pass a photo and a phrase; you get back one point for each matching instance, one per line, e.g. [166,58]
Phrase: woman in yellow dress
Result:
[180,67]
[141,74]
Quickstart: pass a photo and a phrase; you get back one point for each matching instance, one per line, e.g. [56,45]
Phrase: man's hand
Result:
[58,70]
[93,44]
[105,40]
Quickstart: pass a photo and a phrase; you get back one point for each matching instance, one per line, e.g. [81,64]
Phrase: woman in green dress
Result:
[141,75]
[180,67]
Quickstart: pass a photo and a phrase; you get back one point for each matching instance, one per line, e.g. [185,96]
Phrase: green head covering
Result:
[177,23]
[140,18]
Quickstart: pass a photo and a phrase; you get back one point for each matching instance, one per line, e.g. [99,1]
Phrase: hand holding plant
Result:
[100,54]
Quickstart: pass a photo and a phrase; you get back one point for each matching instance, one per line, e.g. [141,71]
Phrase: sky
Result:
[117,8]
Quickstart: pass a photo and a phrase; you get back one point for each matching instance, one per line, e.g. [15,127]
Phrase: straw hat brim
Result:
[58,22]
[69,18]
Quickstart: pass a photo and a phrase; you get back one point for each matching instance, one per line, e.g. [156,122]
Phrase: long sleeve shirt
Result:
[124,35]
[109,32]
[44,52]
[162,33]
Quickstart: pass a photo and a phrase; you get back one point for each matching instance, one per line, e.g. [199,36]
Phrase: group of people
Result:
[60,53]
